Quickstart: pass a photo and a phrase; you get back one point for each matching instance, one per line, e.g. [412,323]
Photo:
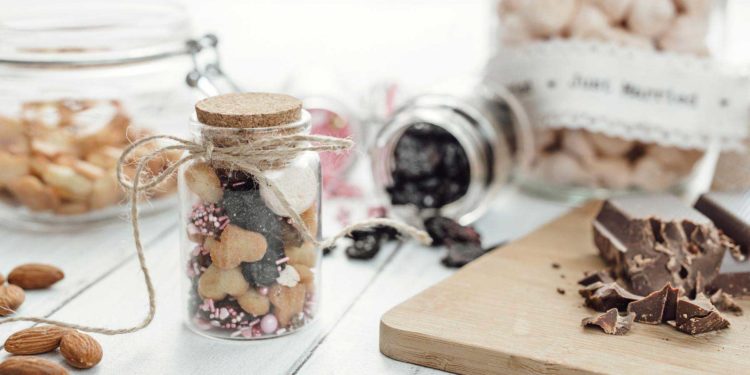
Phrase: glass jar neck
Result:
[225,136]
[489,157]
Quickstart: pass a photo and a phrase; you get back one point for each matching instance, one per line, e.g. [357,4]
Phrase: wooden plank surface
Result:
[86,256]
[502,314]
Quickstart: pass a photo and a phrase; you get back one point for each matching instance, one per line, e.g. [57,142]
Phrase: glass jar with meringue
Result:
[623,95]
[251,270]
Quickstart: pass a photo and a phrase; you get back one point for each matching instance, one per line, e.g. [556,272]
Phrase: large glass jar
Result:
[450,154]
[623,95]
[79,81]
[250,273]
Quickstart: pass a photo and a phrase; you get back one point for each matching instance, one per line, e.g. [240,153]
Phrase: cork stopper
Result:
[249,110]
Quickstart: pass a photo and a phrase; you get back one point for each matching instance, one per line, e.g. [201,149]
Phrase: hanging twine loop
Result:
[252,156]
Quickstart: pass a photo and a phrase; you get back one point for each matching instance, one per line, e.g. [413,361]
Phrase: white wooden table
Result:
[103,286]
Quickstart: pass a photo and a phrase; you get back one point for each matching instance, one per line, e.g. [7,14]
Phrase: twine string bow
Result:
[252,156]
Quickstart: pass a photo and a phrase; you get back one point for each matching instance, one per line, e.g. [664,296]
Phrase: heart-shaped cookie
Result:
[235,246]
[287,302]
[216,283]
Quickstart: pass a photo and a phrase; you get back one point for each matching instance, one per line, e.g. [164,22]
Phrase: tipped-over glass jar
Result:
[450,155]
[250,272]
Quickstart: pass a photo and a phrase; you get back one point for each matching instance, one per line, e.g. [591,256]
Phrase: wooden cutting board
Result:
[503,314]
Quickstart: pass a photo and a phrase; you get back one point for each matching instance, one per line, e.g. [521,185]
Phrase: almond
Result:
[11,298]
[30,366]
[80,350]
[35,276]
[35,340]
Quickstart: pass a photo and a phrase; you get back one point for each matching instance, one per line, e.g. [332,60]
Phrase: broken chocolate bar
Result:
[655,240]
[611,322]
[730,212]
[602,297]
[698,316]
[651,308]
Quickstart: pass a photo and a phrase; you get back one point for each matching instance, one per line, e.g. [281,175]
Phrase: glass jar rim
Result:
[94,32]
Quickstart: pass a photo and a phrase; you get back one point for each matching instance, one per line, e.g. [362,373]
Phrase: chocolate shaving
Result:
[611,322]
[725,302]
[602,297]
[698,316]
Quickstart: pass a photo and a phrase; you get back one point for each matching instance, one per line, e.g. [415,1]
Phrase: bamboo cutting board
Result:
[503,314]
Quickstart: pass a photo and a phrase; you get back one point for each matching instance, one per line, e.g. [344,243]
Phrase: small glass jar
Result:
[449,155]
[250,273]
[620,93]
[78,82]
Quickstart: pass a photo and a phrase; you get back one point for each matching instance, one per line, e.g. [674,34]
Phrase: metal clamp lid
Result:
[207,75]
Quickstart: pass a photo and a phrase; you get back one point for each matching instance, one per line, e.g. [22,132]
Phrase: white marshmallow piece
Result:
[616,10]
[612,173]
[563,170]
[589,22]
[649,175]
[687,35]
[298,184]
[514,31]
[651,18]
[575,143]
[695,7]
[547,18]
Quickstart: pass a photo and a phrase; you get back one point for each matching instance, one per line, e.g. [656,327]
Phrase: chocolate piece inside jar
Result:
[611,322]
[431,168]
[730,212]
[651,241]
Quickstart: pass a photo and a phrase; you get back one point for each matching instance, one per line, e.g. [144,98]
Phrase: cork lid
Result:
[249,110]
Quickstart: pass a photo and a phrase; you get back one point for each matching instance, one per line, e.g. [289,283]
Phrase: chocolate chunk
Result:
[599,276]
[652,241]
[725,302]
[650,309]
[698,316]
[670,305]
[602,297]
[560,291]
[611,322]
[730,212]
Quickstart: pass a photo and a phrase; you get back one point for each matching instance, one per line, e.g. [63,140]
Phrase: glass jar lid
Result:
[93,32]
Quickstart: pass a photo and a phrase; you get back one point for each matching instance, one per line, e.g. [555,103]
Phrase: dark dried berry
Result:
[364,247]
[431,168]
[443,229]
[460,254]
[247,210]
[237,180]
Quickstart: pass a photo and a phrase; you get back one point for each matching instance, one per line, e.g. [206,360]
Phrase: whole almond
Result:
[11,298]
[35,276]
[80,350]
[34,340]
[24,365]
